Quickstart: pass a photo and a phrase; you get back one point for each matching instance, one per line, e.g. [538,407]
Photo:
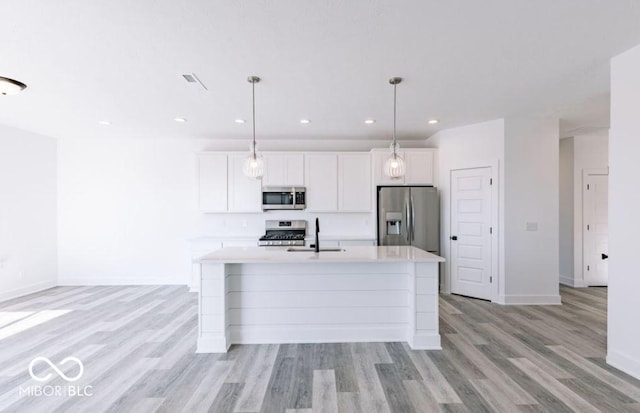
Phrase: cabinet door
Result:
[244,193]
[212,182]
[294,169]
[274,170]
[321,180]
[379,161]
[419,167]
[354,194]
[283,169]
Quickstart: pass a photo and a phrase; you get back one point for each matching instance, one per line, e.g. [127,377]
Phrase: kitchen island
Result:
[258,295]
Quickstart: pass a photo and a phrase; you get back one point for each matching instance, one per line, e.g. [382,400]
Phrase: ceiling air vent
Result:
[192,78]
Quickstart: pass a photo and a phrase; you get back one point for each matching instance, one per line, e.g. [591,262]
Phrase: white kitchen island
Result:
[260,295]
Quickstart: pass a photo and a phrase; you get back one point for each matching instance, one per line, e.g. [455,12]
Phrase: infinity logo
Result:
[56,369]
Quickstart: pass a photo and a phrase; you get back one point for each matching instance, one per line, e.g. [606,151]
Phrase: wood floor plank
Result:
[439,387]
[256,382]
[554,386]
[420,396]
[325,395]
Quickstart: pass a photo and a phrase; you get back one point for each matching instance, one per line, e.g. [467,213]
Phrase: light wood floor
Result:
[137,345]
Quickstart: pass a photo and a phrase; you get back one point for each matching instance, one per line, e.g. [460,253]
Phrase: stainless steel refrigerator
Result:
[409,215]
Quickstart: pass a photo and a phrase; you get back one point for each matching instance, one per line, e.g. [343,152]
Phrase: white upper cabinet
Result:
[379,160]
[321,180]
[354,184]
[283,169]
[419,164]
[245,194]
[212,182]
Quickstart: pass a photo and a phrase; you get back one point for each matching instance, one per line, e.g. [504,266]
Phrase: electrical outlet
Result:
[532,226]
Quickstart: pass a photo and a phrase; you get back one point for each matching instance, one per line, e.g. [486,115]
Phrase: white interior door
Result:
[596,229]
[470,237]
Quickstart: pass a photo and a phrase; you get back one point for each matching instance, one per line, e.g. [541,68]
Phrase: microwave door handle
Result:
[293,196]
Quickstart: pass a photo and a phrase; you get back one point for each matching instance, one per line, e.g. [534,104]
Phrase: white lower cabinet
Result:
[358,243]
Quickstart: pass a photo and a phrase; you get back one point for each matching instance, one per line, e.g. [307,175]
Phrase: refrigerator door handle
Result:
[413,221]
[408,226]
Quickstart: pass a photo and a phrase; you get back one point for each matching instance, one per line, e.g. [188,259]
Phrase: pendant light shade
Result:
[10,86]
[254,164]
[394,168]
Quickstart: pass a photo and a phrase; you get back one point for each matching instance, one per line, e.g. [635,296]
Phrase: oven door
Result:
[283,198]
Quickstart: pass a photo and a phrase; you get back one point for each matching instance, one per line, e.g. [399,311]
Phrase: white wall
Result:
[524,155]
[624,221]
[566,228]
[577,154]
[28,208]
[128,208]
[531,170]
[590,152]
[472,146]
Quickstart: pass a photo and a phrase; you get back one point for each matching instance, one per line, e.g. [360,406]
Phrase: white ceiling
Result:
[328,61]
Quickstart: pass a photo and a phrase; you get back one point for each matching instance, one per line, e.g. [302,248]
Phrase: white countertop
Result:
[308,237]
[237,255]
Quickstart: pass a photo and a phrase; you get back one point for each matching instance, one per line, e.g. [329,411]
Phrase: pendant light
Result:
[10,86]
[394,167]
[253,165]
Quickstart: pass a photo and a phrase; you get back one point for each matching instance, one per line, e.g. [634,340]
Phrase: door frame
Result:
[496,270]
[585,174]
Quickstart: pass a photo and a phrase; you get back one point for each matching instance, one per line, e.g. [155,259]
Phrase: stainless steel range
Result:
[284,233]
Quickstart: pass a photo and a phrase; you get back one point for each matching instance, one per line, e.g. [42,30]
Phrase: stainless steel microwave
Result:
[284,197]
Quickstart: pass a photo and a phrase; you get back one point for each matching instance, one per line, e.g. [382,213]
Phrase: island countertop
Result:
[239,255]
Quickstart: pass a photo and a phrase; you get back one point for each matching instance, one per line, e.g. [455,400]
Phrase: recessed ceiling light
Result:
[10,86]
[104,122]
[180,120]
[433,121]
[240,121]
[370,121]
[305,121]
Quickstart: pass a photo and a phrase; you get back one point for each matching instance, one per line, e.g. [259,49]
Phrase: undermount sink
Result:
[312,250]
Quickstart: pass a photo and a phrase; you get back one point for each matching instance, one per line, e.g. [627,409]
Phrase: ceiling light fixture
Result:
[305,121]
[240,121]
[394,168]
[104,122]
[10,86]
[180,120]
[370,121]
[253,165]
[433,121]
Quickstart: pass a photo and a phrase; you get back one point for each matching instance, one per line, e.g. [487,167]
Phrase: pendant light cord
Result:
[394,120]
[253,100]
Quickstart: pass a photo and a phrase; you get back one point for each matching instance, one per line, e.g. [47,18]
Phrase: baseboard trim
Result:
[530,300]
[624,363]
[425,342]
[572,282]
[118,281]
[26,290]
[212,344]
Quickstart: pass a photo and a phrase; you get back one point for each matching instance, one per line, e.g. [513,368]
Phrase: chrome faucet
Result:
[317,245]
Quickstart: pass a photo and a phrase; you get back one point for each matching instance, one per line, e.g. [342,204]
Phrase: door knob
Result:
[605,256]
[454,237]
